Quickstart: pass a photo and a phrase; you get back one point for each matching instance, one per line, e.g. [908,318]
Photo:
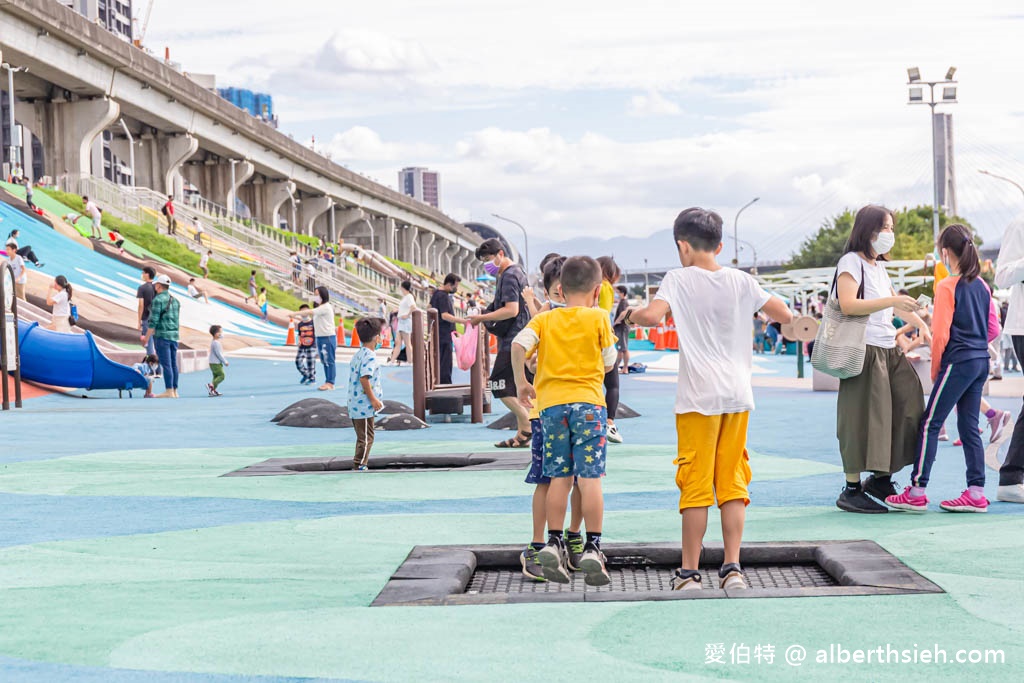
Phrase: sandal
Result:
[520,440]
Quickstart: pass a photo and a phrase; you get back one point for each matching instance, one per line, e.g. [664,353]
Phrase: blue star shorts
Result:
[536,473]
[574,440]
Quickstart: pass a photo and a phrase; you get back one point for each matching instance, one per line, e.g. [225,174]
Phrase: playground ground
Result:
[125,556]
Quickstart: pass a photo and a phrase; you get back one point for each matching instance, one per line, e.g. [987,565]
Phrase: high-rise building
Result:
[422,184]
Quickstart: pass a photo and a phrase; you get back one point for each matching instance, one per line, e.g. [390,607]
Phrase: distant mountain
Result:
[629,252]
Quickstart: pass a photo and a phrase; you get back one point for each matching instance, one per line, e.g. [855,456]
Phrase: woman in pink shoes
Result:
[964,323]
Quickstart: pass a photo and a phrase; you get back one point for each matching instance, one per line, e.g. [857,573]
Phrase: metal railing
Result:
[132,204]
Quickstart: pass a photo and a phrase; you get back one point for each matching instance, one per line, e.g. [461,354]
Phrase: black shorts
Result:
[503,379]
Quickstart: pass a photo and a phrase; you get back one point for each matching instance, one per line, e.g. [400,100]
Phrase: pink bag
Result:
[465,347]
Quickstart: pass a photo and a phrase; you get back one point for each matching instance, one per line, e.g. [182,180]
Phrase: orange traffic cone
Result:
[385,338]
[493,348]
[290,340]
[354,342]
[341,335]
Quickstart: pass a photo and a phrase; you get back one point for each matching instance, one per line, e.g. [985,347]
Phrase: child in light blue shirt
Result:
[364,388]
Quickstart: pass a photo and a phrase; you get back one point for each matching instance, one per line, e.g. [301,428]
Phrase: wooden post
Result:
[433,346]
[419,367]
[7,280]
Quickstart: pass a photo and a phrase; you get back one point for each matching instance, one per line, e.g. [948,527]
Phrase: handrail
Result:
[131,201]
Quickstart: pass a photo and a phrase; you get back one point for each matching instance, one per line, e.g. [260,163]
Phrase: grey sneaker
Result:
[686,580]
[574,547]
[553,558]
[592,562]
[531,566]
[613,434]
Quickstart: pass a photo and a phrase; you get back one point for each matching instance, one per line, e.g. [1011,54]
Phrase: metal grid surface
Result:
[632,579]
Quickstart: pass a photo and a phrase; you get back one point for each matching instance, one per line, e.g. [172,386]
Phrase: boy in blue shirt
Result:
[364,388]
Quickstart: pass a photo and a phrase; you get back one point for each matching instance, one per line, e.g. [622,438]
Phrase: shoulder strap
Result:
[860,289]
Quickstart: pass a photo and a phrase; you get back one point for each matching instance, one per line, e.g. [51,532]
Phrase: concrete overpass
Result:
[83,80]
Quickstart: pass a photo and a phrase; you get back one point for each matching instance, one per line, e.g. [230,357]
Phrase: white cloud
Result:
[652,104]
[800,104]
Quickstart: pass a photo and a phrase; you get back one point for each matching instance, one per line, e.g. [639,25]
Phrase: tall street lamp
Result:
[745,243]
[526,239]
[14,149]
[1012,182]
[647,284]
[735,232]
[916,95]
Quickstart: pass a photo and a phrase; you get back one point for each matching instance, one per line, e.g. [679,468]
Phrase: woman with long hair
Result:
[879,410]
[59,298]
[325,334]
[404,337]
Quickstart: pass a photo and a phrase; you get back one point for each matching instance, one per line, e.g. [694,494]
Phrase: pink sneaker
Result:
[965,503]
[908,502]
[999,422]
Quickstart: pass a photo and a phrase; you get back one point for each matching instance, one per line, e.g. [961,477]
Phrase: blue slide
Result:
[71,360]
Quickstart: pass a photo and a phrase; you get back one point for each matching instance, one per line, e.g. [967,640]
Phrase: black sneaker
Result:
[553,558]
[880,490]
[574,546]
[858,501]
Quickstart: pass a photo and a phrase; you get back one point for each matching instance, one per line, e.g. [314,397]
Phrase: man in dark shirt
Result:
[508,315]
[442,302]
[145,294]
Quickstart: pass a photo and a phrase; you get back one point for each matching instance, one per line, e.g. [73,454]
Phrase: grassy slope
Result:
[147,237]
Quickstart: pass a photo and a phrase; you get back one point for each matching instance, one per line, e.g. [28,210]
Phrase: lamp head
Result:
[916,95]
[913,74]
[950,73]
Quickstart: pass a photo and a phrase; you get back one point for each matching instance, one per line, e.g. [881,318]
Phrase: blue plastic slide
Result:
[63,359]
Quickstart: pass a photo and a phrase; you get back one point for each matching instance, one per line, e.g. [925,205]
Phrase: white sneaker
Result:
[730,576]
[613,434]
[1013,493]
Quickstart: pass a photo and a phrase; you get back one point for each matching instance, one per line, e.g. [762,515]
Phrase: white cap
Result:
[163,280]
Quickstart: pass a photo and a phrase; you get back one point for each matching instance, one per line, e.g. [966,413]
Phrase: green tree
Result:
[913,229]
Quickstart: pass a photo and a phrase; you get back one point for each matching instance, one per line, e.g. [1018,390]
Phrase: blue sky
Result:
[597,119]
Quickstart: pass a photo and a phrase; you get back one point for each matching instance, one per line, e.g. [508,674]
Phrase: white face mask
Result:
[317,300]
[883,243]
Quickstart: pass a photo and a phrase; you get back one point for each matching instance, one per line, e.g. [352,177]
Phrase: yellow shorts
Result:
[711,460]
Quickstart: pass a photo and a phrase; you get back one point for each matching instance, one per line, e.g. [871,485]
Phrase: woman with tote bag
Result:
[879,409]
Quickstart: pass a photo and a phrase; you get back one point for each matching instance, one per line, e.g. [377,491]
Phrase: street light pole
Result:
[1012,182]
[14,149]
[916,96]
[735,232]
[647,284]
[526,240]
[131,150]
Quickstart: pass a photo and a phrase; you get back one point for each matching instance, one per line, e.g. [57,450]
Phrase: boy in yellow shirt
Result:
[713,307]
[575,348]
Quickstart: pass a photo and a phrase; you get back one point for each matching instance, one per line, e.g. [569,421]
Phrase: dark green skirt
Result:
[879,413]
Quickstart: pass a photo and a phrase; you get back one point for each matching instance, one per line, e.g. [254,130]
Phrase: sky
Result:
[598,120]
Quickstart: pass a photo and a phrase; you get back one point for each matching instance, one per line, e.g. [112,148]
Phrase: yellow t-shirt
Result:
[573,345]
[606,298]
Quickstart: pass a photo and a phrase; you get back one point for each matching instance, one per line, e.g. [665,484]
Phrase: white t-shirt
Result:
[712,312]
[405,306]
[204,259]
[877,285]
[18,266]
[193,292]
[93,210]
[323,321]
[61,305]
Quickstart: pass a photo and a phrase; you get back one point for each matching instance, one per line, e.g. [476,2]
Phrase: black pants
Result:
[445,349]
[27,253]
[611,390]
[1012,471]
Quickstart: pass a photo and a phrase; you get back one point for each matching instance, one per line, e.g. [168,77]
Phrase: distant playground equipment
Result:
[445,399]
[71,360]
[802,330]
[9,351]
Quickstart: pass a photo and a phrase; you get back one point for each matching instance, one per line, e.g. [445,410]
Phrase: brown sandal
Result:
[520,440]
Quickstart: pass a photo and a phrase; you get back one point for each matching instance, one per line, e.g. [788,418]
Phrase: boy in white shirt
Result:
[712,307]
